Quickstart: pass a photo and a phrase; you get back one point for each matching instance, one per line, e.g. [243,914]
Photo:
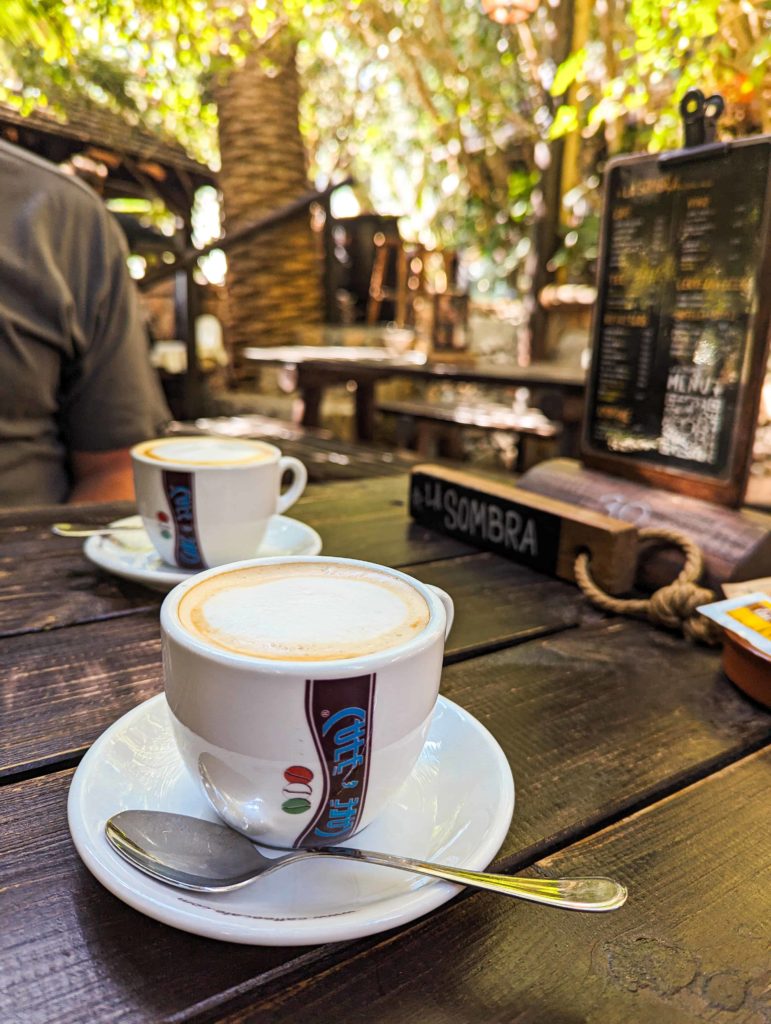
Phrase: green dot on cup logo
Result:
[166,534]
[297,805]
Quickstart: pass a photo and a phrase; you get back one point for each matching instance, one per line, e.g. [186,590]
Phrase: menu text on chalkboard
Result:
[682,313]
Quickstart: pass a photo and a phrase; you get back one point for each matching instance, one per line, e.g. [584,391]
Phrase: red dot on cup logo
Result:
[163,517]
[298,774]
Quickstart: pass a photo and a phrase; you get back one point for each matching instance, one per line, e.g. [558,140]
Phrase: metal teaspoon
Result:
[191,853]
[84,530]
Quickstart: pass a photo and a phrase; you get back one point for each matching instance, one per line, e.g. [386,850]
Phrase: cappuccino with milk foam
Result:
[206,451]
[303,611]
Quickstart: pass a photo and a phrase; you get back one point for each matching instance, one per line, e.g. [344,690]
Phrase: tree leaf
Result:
[567,72]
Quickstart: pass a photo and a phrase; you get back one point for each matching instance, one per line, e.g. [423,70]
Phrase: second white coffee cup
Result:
[301,690]
[206,501]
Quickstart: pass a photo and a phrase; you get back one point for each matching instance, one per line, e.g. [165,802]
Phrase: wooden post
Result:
[365,410]
[328,241]
[582,10]
[548,218]
[185,311]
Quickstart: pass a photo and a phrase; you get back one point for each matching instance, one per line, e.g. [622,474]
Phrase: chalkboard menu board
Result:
[680,335]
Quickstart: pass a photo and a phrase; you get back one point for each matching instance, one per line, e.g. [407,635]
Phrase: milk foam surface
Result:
[304,611]
[206,451]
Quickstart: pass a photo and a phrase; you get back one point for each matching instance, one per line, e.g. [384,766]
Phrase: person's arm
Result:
[101,476]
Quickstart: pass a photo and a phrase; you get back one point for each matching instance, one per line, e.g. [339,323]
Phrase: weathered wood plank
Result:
[391,540]
[369,519]
[597,721]
[63,688]
[692,939]
[498,603]
[366,519]
[71,953]
[16,519]
[691,944]
[46,582]
[592,727]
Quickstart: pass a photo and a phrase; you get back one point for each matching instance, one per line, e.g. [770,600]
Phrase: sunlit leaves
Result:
[145,56]
[567,71]
[565,120]
[653,51]
[434,109]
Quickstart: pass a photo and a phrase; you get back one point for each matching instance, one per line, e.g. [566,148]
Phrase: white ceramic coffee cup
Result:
[206,501]
[302,753]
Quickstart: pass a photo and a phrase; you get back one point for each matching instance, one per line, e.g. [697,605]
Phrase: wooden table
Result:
[318,367]
[632,754]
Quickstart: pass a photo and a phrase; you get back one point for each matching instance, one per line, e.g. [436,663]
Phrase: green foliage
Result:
[567,72]
[643,55]
[436,111]
[146,58]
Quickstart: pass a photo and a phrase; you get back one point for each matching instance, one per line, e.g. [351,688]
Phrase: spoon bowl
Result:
[203,856]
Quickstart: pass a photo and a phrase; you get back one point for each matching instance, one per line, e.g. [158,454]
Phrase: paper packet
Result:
[746,615]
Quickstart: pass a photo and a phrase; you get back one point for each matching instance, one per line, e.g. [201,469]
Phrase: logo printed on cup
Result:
[339,713]
[178,488]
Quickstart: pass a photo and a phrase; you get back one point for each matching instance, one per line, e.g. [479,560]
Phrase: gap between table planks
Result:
[64,687]
[699,906]
[547,698]
[366,519]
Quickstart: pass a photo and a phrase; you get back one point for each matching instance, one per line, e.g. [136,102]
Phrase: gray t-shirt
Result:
[74,368]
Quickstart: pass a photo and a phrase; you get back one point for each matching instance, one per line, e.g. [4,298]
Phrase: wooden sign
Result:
[537,531]
[681,324]
[736,543]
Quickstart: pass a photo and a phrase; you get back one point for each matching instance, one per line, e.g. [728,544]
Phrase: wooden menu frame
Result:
[727,483]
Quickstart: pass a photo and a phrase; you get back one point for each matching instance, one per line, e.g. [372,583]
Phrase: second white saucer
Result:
[131,555]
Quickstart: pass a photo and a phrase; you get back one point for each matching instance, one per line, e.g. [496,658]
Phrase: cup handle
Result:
[449,607]
[297,486]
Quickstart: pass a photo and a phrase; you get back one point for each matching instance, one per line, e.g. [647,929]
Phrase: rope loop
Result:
[674,605]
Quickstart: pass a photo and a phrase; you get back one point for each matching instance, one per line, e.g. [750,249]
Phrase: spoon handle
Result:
[595,894]
[83,530]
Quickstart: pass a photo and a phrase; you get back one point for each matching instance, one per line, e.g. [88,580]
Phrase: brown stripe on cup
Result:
[339,715]
[180,494]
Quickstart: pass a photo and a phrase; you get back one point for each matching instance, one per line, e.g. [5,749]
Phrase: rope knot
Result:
[673,605]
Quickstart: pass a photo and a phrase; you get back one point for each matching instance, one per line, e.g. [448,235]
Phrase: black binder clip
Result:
[700,115]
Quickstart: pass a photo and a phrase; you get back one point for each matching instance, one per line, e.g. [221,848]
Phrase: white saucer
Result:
[130,553]
[455,809]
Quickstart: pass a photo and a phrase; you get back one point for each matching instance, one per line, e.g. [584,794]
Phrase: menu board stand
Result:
[681,325]
[680,343]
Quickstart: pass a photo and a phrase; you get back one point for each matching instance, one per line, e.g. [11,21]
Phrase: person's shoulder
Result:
[61,199]
[46,178]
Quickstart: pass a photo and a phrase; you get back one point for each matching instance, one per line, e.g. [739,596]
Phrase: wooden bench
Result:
[325,457]
[435,429]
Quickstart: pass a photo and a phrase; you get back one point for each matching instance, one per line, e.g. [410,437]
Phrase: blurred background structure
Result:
[474,131]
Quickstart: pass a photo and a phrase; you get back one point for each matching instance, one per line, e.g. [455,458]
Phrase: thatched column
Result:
[274,280]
